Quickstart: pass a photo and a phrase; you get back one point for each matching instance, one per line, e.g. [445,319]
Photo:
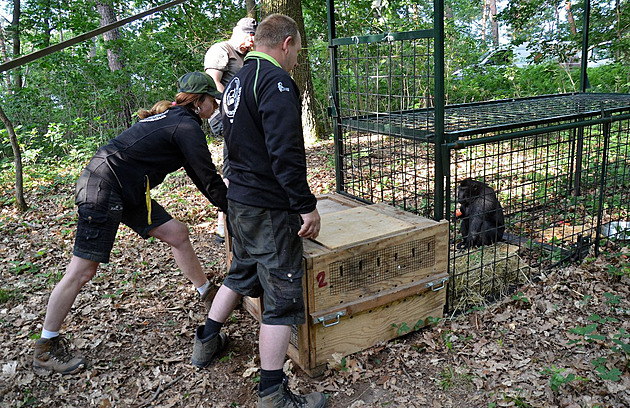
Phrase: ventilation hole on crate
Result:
[429,247]
[341,270]
[378,262]
[413,252]
[396,256]
[360,266]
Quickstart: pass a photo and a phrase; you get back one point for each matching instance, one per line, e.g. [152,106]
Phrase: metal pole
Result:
[80,38]
[602,182]
[441,153]
[333,109]
[584,84]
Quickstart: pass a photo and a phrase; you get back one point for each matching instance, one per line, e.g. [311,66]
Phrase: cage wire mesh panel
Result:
[380,80]
[558,163]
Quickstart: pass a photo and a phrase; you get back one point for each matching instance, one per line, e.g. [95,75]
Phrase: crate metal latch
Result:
[324,319]
[437,282]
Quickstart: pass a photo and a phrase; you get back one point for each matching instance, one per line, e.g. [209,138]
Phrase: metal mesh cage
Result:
[558,163]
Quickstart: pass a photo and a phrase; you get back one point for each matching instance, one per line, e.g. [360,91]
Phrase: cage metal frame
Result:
[546,156]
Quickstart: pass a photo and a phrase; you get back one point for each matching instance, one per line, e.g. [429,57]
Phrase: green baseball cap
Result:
[198,83]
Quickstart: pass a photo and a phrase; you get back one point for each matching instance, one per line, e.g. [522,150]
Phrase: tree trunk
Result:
[495,24]
[19,185]
[484,20]
[302,73]
[17,45]
[106,11]
[47,13]
[570,18]
[250,5]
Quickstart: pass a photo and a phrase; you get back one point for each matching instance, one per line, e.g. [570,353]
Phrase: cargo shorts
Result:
[101,210]
[267,261]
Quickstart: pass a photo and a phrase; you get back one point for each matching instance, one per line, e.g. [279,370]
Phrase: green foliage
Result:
[539,79]
[612,374]
[6,295]
[557,380]
[520,297]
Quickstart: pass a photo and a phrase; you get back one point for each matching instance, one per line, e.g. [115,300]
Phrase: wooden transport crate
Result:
[372,266]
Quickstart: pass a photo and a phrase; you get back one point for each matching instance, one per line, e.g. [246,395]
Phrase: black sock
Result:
[211,328]
[270,378]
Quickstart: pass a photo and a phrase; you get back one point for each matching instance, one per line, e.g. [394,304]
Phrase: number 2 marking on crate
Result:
[321,279]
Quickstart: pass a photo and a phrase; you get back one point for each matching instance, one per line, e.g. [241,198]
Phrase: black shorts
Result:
[267,261]
[101,210]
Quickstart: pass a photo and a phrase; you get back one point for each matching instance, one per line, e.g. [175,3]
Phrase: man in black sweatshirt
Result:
[271,208]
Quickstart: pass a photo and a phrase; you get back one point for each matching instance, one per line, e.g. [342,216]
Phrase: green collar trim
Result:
[262,55]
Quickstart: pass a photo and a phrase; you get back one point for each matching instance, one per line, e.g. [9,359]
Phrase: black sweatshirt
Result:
[155,147]
[263,132]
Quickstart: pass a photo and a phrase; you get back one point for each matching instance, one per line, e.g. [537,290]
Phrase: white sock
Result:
[220,224]
[201,289]
[49,334]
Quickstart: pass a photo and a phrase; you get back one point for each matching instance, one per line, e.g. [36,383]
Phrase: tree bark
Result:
[493,21]
[250,5]
[570,18]
[17,45]
[302,73]
[106,11]
[19,184]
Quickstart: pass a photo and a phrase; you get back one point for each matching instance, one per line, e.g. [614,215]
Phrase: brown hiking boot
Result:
[204,350]
[208,296]
[282,397]
[51,355]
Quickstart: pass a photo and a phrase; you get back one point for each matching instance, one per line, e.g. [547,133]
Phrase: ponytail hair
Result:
[159,107]
[189,100]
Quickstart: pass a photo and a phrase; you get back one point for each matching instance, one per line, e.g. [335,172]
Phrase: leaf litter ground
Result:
[135,323]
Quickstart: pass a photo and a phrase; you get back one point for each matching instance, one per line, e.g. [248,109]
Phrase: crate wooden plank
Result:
[329,203]
[351,273]
[353,225]
[358,332]
[432,283]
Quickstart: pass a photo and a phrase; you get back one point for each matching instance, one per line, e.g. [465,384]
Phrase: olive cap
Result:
[198,83]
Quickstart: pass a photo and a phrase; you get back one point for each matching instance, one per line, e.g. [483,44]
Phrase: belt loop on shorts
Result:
[148,198]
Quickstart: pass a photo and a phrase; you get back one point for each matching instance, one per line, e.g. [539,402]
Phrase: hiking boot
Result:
[205,349]
[282,397]
[52,355]
[208,296]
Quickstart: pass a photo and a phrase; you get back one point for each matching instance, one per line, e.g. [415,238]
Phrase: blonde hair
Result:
[159,107]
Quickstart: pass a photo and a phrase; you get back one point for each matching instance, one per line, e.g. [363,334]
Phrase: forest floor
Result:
[559,342]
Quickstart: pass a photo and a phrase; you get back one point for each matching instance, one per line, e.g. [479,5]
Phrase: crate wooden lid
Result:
[347,227]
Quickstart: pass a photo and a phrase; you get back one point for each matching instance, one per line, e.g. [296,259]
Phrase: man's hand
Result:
[310,228]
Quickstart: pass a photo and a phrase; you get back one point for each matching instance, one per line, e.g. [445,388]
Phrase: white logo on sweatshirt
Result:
[232,97]
[282,88]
